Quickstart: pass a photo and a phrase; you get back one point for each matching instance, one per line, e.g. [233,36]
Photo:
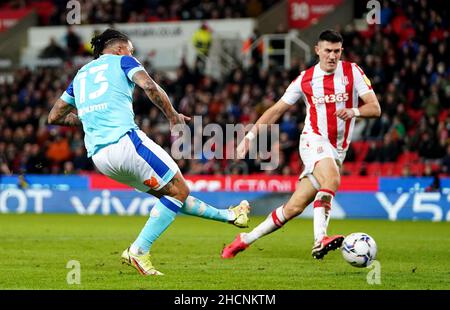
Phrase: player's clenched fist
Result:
[345,114]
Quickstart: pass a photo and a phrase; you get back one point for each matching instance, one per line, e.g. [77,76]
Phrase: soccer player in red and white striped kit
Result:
[335,93]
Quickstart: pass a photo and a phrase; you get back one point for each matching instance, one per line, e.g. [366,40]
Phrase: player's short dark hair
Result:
[332,36]
[106,38]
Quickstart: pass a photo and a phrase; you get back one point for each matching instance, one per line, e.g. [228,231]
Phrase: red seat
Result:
[408,157]
[387,169]
[417,169]
[398,169]
[373,169]
[443,115]
[361,148]
[415,115]
[295,163]
[352,168]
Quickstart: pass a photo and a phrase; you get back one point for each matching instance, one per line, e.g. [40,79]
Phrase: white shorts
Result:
[314,148]
[137,161]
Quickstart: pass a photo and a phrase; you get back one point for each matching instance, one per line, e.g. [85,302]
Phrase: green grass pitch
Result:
[34,251]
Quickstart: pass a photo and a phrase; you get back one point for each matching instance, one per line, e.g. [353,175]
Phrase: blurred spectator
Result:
[446,161]
[257,51]
[68,168]
[80,160]
[36,160]
[435,186]
[202,40]
[73,42]
[389,150]
[373,153]
[53,50]
[58,149]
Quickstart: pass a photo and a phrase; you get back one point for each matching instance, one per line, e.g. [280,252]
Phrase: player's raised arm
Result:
[159,97]
[270,116]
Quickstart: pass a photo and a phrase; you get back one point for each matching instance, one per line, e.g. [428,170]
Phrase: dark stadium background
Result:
[406,58]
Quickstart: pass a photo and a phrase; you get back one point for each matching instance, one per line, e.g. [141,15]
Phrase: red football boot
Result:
[234,247]
[321,248]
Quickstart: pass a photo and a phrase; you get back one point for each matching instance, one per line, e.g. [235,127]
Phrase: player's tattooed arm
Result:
[62,114]
[159,97]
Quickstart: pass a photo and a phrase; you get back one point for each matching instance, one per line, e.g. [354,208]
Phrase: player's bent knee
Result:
[182,191]
[185,192]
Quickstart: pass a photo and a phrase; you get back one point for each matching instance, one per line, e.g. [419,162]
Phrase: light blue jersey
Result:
[102,92]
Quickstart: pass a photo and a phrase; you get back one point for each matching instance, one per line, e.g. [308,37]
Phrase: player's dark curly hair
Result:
[109,36]
[331,36]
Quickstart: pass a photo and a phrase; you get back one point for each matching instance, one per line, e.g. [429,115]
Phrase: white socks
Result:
[322,206]
[135,250]
[274,221]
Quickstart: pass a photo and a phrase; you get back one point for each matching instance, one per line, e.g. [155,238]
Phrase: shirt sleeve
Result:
[294,91]
[361,81]
[130,66]
[68,96]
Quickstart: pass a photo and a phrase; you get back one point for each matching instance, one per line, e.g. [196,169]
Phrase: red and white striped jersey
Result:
[324,93]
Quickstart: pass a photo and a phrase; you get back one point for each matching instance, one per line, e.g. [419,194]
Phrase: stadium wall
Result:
[165,44]
[359,197]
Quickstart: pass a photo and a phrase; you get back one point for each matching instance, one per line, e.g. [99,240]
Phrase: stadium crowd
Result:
[53,12]
[406,58]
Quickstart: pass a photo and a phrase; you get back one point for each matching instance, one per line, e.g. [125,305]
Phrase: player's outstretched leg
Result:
[301,198]
[327,174]
[237,215]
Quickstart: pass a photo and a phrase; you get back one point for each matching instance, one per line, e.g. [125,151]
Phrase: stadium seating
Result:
[408,90]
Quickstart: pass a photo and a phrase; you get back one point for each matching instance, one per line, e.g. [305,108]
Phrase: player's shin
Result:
[161,216]
[196,207]
[322,207]
[273,222]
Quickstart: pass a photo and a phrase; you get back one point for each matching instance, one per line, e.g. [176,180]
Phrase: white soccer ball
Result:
[359,249]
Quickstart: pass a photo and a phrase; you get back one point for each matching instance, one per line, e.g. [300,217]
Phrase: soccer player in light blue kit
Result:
[100,99]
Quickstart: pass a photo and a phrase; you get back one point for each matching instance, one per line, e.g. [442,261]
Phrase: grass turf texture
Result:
[36,248]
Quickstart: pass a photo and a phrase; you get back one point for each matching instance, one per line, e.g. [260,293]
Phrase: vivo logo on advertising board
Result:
[433,206]
[81,202]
